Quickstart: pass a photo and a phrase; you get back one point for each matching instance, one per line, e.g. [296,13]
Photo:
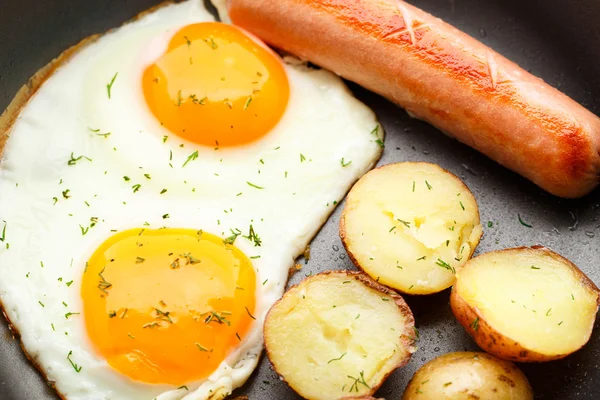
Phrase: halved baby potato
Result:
[410,226]
[362,398]
[338,335]
[468,376]
[525,304]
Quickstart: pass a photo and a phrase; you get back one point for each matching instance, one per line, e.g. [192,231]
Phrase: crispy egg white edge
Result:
[38,181]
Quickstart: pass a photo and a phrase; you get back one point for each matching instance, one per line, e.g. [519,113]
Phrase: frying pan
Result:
[557,40]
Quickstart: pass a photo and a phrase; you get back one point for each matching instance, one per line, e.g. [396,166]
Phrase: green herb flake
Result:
[213,316]
[3,236]
[405,223]
[109,89]
[358,381]
[76,367]
[345,164]
[201,348]
[254,186]
[73,160]
[523,222]
[234,235]
[248,311]
[445,265]
[247,103]
[191,157]
[212,43]
[253,237]
[475,324]
[336,359]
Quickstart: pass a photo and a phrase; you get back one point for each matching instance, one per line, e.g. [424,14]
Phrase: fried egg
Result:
[154,193]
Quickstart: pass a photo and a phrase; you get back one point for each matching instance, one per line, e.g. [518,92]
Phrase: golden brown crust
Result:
[407,337]
[493,341]
[443,76]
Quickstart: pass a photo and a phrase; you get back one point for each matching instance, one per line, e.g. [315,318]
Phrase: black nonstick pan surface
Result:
[557,40]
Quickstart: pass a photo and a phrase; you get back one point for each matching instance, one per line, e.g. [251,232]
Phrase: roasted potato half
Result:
[468,376]
[338,335]
[525,304]
[410,226]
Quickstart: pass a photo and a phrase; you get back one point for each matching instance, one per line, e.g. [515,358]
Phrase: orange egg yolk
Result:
[215,85]
[167,306]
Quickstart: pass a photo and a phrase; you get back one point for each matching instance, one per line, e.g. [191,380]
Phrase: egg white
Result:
[48,240]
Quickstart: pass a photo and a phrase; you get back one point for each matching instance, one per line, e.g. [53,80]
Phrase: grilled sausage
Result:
[443,76]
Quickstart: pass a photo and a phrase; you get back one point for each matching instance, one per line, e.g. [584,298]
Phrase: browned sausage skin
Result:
[443,76]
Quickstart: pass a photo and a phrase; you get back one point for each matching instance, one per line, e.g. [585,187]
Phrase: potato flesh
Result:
[324,338]
[412,240]
[467,376]
[531,298]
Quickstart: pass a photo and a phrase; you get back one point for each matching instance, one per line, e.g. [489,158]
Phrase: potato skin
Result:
[362,398]
[407,337]
[489,339]
[468,375]
[346,240]
[493,341]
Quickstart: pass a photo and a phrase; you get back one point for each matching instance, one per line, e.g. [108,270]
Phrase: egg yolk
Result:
[167,306]
[215,85]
